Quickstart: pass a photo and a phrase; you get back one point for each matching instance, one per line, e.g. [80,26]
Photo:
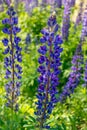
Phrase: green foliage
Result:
[71,115]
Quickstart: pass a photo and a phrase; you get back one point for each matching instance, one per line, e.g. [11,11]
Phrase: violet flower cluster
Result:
[74,77]
[85,75]
[79,17]
[84,26]
[58,3]
[49,61]
[30,5]
[66,21]
[12,57]
[72,3]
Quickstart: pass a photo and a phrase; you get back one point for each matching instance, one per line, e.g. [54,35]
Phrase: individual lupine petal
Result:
[45,32]
[56,28]
[6,30]
[6,21]
[14,20]
[41,60]
[17,39]
[41,69]
[5,41]
[43,39]
[16,30]
[6,50]
[58,40]
[42,50]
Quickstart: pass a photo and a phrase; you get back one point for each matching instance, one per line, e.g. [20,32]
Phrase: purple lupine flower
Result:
[44,2]
[49,61]
[66,21]
[13,52]
[1,6]
[75,75]
[79,17]
[30,5]
[58,3]
[85,75]
[84,26]
[72,3]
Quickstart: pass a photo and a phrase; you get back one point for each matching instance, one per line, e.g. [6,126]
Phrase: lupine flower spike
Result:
[58,3]
[79,17]
[84,26]
[75,75]
[66,21]
[13,56]
[72,3]
[49,61]
[85,76]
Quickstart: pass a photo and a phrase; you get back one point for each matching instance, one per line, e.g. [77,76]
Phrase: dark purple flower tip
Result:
[41,59]
[52,21]
[17,40]
[6,21]
[6,30]
[43,39]
[11,11]
[5,41]
[42,50]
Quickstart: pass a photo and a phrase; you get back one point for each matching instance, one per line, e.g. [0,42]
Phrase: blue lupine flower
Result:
[66,21]
[58,3]
[72,3]
[75,75]
[84,26]
[79,17]
[49,61]
[85,75]
[13,69]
